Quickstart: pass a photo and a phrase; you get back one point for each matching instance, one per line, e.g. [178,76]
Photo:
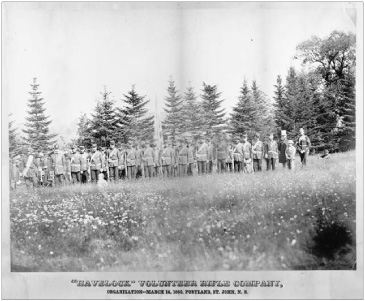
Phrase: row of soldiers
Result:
[138,159]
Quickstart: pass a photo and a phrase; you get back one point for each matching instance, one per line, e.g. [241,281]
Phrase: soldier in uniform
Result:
[14,173]
[257,153]
[114,159]
[202,156]
[149,160]
[238,156]
[229,160]
[139,159]
[222,154]
[211,156]
[247,155]
[96,160]
[282,147]
[191,156]
[131,161]
[29,169]
[182,161]
[167,158]
[58,165]
[157,160]
[84,169]
[67,156]
[303,145]
[271,152]
[105,165]
[75,165]
[122,164]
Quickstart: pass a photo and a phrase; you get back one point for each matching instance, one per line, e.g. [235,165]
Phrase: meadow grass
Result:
[273,220]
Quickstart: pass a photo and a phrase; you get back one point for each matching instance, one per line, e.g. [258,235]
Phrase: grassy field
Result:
[277,220]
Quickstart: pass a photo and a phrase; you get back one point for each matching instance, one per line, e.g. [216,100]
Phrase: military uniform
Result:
[167,160]
[222,154]
[247,156]
[183,159]
[14,174]
[139,162]
[96,160]
[271,154]
[84,165]
[257,153]
[149,161]
[229,160]
[157,159]
[202,157]
[68,176]
[238,157]
[303,145]
[114,159]
[58,166]
[191,159]
[122,168]
[131,161]
[211,157]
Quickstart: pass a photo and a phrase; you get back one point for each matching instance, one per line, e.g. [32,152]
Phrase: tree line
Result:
[319,98]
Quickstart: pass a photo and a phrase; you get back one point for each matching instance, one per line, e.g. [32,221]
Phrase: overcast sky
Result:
[74,49]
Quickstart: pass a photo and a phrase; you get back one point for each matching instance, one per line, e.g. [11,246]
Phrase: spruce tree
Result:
[291,95]
[244,115]
[211,104]
[103,124]
[136,123]
[174,110]
[280,104]
[37,125]
[192,112]
[84,131]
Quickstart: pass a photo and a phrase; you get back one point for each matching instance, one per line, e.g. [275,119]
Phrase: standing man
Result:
[182,158]
[58,165]
[202,156]
[67,167]
[238,156]
[76,165]
[247,155]
[157,152]
[105,166]
[96,160]
[131,161]
[222,154]
[113,161]
[191,156]
[149,160]
[167,159]
[282,147]
[229,160]
[29,169]
[122,164]
[303,145]
[211,156]
[84,169]
[271,152]
[139,158]
[257,153]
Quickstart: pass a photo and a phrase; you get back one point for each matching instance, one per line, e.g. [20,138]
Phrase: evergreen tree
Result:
[136,123]
[264,121]
[84,131]
[173,123]
[37,125]
[103,124]
[211,104]
[192,112]
[291,95]
[280,105]
[244,115]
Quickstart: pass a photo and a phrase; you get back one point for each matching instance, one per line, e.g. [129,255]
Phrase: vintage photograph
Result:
[181,136]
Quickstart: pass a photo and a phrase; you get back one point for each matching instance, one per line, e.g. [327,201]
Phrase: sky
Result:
[75,49]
